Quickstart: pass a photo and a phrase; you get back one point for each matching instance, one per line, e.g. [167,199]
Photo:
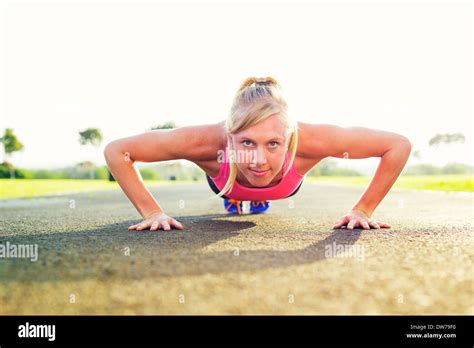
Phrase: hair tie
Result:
[262,81]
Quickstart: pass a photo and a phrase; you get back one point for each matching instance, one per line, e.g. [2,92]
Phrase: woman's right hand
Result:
[157,220]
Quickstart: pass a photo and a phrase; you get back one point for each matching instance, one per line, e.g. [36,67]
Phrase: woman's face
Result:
[260,152]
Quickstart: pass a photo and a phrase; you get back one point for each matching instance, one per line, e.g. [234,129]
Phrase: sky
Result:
[124,66]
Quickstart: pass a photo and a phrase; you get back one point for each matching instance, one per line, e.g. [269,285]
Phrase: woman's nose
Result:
[258,158]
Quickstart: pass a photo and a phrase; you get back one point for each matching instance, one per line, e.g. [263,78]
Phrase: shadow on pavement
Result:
[114,252]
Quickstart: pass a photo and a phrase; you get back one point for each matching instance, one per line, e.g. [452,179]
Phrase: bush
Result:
[101,173]
[457,168]
[429,169]
[6,169]
[24,174]
[149,174]
[327,167]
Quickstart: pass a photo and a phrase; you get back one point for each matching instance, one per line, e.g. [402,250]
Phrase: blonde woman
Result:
[258,154]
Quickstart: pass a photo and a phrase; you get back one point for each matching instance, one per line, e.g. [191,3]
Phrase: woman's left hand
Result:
[357,218]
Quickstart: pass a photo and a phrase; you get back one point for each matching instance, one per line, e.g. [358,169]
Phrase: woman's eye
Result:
[275,143]
[246,141]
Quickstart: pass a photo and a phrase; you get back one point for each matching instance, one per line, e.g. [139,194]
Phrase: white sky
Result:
[123,67]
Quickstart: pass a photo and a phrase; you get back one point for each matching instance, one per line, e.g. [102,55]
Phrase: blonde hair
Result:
[256,100]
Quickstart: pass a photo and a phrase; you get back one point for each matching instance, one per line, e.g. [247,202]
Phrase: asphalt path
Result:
[287,261]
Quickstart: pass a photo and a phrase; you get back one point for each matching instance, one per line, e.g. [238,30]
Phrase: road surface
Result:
[287,261]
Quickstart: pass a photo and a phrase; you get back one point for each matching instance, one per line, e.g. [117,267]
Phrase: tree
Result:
[447,138]
[166,125]
[11,144]
[440,139]
[416,154]
[91,136]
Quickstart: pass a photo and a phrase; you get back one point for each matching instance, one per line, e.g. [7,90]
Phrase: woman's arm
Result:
[358,142]
[153,146]
[391,164]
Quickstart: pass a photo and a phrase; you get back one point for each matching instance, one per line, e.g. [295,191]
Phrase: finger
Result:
[143,225]
[365,225]
[351,224]
[177,224]
[134,226]
[374,224]
[165,225]
[154,226]
[341,222]
[384,225]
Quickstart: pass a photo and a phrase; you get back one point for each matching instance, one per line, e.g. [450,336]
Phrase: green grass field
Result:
[414,182]
[25,188]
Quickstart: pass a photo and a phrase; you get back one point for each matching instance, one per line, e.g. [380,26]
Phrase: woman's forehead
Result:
[270,127]
[258,136]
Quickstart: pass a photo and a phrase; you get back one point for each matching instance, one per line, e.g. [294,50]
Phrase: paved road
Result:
[288,261]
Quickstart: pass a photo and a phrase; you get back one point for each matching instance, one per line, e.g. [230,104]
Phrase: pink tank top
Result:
[285,187]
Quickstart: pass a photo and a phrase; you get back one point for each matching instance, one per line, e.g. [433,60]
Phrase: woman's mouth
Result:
[259,173]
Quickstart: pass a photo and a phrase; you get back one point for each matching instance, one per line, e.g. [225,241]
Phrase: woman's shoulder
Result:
[216,139]
[213,140]
[206,140]
[308,147]
[311,139]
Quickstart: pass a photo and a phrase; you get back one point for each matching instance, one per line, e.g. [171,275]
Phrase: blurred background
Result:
[76,75]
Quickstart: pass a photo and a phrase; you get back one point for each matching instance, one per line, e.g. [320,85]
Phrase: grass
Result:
[464,183]
[28,188]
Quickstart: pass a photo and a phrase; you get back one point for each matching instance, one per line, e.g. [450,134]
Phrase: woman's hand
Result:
[157,220]
[358,218]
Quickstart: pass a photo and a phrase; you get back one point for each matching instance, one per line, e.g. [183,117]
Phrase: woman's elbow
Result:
[110,149]
[404,145]
[407,143]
